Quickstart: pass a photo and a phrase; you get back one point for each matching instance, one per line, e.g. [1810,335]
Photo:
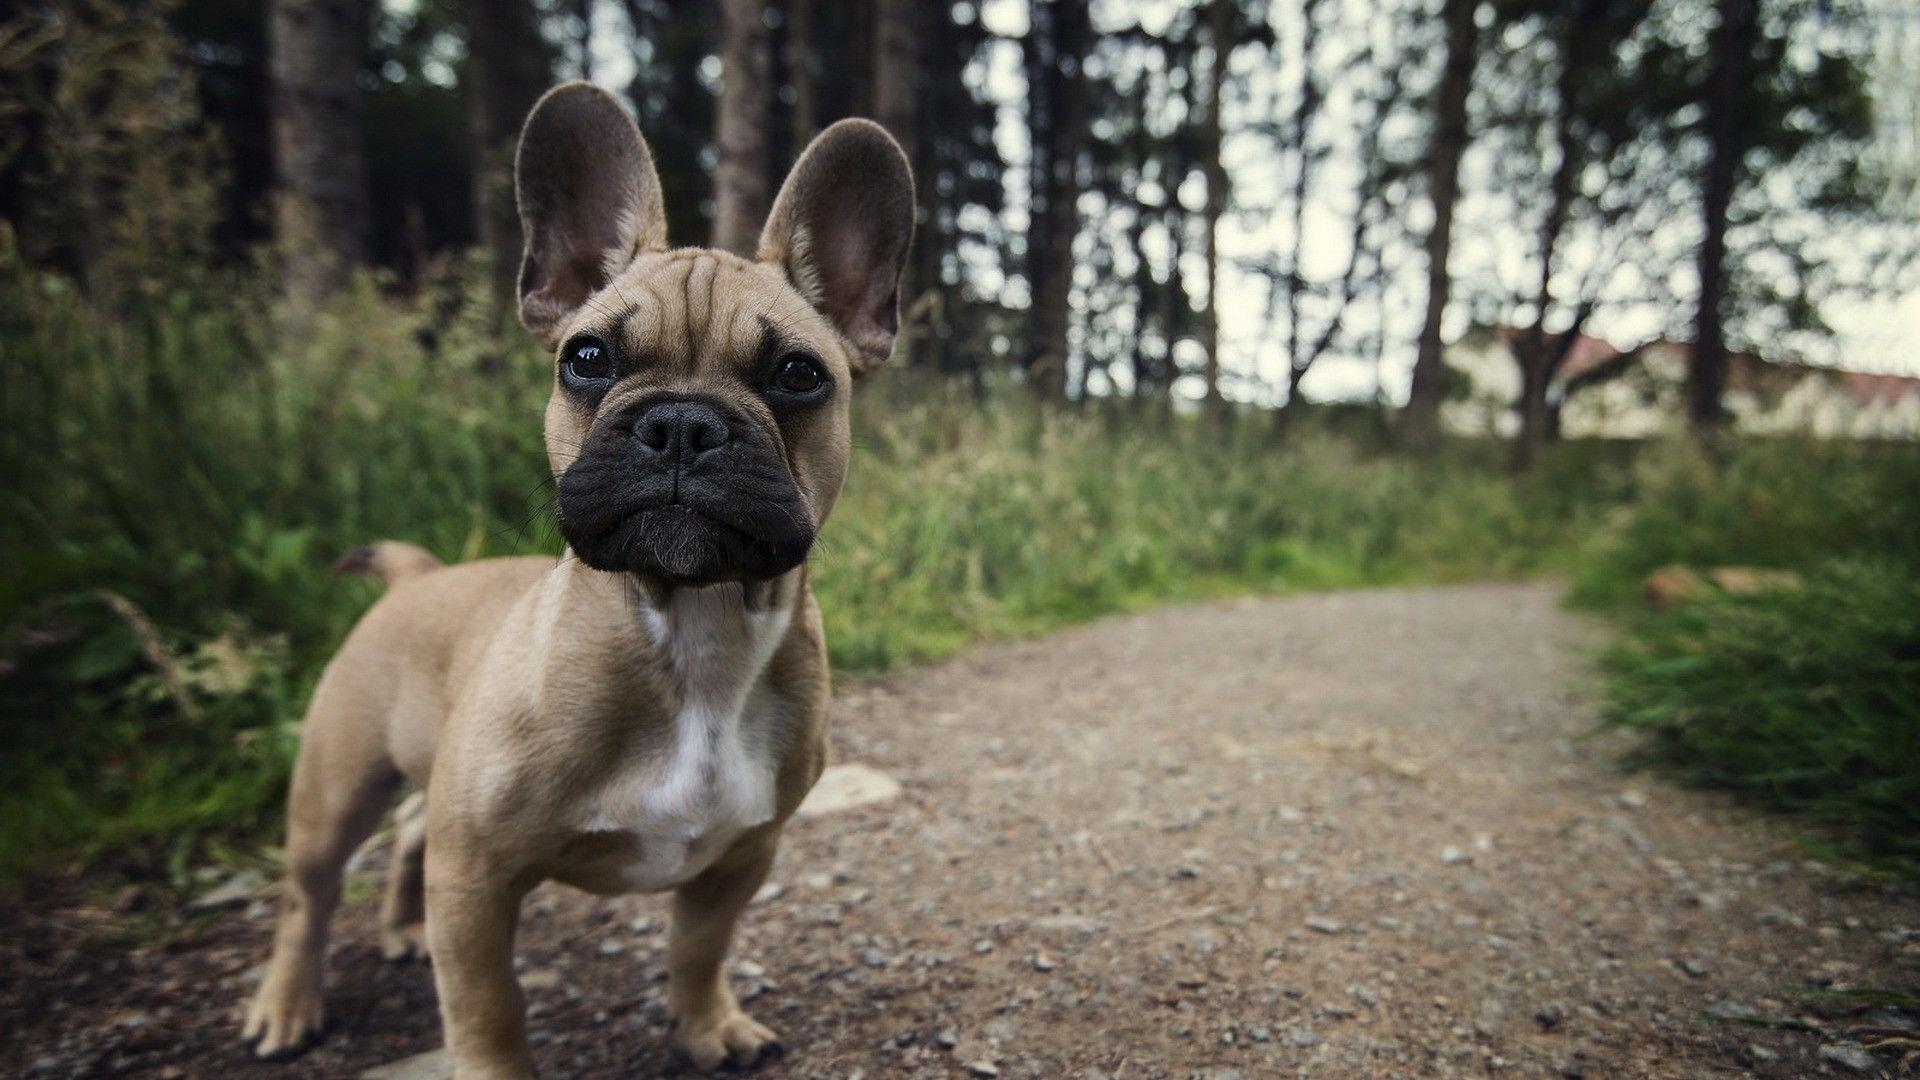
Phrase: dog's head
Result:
[699,423]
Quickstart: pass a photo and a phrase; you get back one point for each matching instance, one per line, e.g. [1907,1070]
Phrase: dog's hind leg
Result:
[342,784]
[403,913]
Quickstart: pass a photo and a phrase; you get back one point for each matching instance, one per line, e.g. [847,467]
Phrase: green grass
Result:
[1803,699]
[1807,699]
[184,465]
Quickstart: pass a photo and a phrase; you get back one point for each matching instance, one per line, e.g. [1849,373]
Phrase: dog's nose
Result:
[681,430]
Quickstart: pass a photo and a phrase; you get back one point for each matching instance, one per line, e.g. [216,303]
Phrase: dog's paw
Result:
[402,943]
[734,1039]
[283,1020]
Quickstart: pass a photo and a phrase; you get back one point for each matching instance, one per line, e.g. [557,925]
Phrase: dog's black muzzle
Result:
[685,489]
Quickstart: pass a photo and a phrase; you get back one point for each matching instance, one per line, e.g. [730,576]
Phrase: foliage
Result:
[1807,699]
[183,471]
[1783,504]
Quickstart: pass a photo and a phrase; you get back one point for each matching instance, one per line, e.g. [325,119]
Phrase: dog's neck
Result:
[712,644]
[717,639]
[712,647]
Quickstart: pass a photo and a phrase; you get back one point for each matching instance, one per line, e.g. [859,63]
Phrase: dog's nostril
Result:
[706,432]
[683,429]
[654,431]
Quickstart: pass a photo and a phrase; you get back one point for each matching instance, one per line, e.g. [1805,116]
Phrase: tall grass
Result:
[1807,699]
[183,471]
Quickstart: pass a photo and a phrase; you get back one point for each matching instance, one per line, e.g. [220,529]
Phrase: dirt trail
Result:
[1346,835]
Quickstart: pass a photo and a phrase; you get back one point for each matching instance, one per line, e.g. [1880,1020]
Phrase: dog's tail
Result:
[389,560]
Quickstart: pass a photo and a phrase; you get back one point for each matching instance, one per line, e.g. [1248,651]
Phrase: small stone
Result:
[983,1067]
[983,947]
[1848,1056]
[611,947]
[848,787]
[432,1065]
[540,979]
[770,891]
[1320,924]
[1631,799]
[1304,1037]
[874,958]
[1042,962]
[1453,856]
[237,889]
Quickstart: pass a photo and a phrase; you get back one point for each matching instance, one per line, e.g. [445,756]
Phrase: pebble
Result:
[1848,1056]
[1320,924]
[237,889]
[432,1065]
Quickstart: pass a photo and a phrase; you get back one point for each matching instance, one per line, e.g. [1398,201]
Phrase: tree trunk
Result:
[897,88]
[1537,358]
[804,116]
[1530,351]
[320,167]
[1056,49]
[1219,33]
[1143,289]
[1421,423]
[1176,307]
[896,71]
[1707,375]
[508,66]
[1302,130]
[740,180]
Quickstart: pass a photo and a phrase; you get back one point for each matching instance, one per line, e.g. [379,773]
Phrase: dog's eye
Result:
[798,375]
[586,360]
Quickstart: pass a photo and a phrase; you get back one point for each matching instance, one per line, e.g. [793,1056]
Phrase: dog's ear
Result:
[840,230]
[589,202]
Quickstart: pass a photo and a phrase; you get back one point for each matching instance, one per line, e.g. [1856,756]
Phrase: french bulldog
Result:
[646,714]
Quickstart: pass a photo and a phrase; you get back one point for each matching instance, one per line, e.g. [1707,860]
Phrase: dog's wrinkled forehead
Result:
[697,314]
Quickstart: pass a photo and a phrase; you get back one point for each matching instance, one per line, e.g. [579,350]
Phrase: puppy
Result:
[645,715]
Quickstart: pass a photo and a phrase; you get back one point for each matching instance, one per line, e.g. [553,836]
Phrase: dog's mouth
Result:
[683,541]
[685,545]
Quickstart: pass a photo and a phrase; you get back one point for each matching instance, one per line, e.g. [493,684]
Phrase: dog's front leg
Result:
[709,1026]
[471,913]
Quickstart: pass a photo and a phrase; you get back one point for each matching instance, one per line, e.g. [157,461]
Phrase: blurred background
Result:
[1208,297]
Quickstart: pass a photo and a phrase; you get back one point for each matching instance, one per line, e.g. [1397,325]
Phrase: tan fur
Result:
[566,723]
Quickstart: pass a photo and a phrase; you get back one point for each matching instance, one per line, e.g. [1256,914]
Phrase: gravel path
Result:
[1358,834]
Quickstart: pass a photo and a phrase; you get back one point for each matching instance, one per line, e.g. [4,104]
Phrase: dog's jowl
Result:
[645,714]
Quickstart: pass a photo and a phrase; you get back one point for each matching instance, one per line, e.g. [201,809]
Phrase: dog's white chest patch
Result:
[714,780]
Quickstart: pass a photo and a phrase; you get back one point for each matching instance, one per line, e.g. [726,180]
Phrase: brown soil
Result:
[1360,834]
